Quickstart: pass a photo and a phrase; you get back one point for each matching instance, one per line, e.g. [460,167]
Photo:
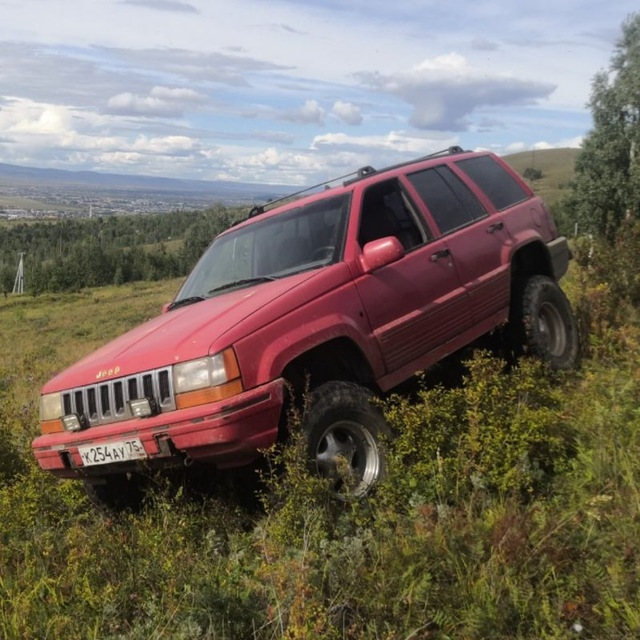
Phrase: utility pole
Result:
[18,285]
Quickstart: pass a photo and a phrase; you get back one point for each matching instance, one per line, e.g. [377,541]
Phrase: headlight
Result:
[198,374]
[50,413]
[207,379]
[50,406]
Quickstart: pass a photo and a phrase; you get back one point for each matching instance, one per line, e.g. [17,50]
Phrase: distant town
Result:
[68,202]
[40,194]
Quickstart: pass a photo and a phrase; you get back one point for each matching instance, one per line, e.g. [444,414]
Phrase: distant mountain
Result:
[13,175]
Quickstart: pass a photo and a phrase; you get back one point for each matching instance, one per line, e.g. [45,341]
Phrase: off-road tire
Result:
[115,493]
[542,323]
[344,435]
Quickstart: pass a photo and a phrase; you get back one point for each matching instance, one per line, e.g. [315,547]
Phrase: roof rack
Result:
[362,172]
[436,154]
[258,209]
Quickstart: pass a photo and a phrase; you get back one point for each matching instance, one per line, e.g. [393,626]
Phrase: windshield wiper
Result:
[239,283]
[184,302]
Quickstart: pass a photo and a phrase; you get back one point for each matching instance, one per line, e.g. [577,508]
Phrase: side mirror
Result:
[381,252]
[165,307]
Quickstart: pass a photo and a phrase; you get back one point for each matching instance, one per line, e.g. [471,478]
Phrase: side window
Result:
[450,201]
[502,189]
[387,212]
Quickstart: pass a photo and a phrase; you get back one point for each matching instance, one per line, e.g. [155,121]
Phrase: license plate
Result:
[120,451]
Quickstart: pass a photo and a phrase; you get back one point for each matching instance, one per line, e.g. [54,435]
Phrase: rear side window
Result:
[499,185]
[448,199]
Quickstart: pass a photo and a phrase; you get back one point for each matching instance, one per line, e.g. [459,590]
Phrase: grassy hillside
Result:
[19,202]
[511,507]
[556,165]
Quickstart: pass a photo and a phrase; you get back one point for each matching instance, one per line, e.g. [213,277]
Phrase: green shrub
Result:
[530,173]
[500,432]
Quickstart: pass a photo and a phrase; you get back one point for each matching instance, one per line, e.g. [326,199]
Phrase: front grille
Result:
[107,401]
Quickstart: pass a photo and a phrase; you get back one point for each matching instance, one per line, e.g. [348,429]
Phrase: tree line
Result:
[68,255]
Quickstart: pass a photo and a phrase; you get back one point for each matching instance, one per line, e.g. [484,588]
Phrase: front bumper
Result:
[229,433]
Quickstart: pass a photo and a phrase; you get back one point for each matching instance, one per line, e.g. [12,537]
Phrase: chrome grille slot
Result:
[164,382]
[132,386]
[78,396]
[147,386]
[92,405]
[105,401]
[119,404]
[108,401]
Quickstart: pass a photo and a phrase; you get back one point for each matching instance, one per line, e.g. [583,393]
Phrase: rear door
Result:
[476,240]
[416,304]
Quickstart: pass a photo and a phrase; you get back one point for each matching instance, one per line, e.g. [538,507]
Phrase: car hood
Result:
[176,336]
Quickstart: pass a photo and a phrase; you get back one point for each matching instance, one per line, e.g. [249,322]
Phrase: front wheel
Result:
[543,323]
[343,434]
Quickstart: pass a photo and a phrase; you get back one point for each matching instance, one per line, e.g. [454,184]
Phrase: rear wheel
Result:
[543,324]
[343,431]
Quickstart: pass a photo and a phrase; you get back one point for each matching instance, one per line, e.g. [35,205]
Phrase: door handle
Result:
[443,253]
[496,226]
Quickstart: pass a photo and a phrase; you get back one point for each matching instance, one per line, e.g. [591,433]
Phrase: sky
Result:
[292,91]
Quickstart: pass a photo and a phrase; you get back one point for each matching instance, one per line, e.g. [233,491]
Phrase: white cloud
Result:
[309,113]
[38,119]
[161,102]
[348,112]
[276,166]
[74,138]
[446,90]
[396,141]
[575,143]
[177,93]
[515,147]
[119,158]
[168,145]
[131,104]
[519,146]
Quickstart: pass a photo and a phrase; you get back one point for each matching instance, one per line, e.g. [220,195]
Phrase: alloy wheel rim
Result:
[348,454]
[552,329]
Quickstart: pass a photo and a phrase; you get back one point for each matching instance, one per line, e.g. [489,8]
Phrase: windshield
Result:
[304,238]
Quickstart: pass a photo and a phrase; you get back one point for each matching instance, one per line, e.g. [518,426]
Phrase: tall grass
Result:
[511,508]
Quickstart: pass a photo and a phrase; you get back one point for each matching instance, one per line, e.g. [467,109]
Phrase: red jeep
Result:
[351,289]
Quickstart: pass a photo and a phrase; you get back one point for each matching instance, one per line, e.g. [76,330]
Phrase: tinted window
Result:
[449,201]
[499,185]
[387,212]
